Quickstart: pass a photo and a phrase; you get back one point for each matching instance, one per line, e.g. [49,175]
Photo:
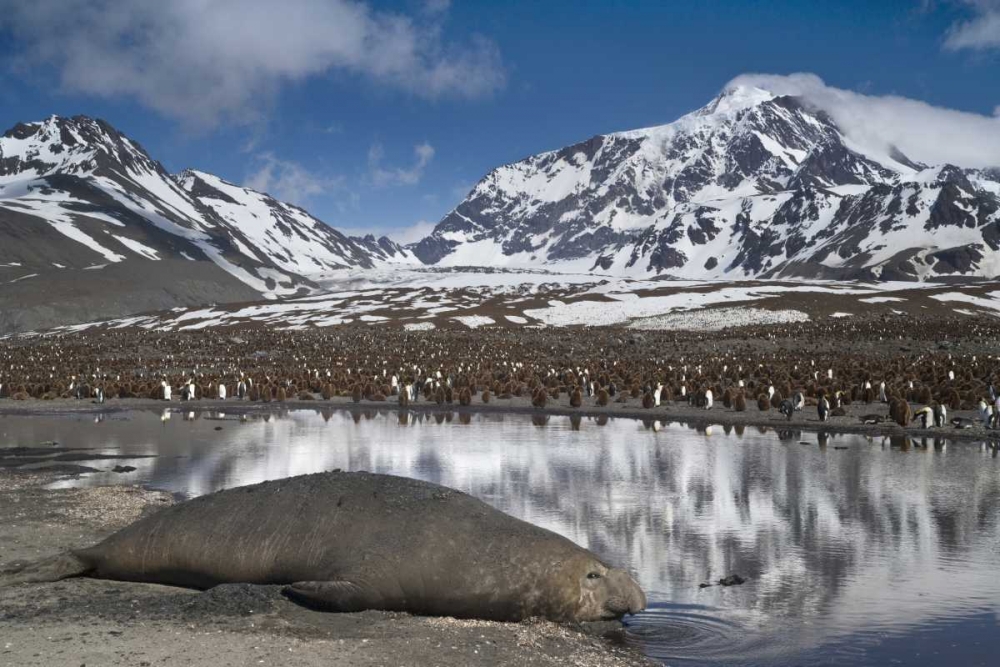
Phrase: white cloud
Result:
[996,111]
[202,61]
[980,32]
[436,6]
[423,154]
[929,134]
[289,181]
[411,234]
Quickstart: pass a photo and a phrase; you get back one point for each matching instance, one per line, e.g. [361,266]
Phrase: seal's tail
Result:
[54,568]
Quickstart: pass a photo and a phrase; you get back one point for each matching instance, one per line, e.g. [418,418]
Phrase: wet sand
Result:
[92,622]
[676,411]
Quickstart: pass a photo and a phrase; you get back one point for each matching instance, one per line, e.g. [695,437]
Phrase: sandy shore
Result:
[805,420]
[90,622]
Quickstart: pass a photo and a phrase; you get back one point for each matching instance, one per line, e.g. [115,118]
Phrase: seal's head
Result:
[593,591]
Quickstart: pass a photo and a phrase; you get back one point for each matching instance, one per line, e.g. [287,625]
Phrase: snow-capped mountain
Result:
[91,227]
[285,235]
[754,185]
[75,193]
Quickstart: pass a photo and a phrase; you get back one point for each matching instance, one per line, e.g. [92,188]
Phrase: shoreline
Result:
[674,412]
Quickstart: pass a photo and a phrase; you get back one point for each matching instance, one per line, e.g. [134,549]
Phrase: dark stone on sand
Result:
[123,469]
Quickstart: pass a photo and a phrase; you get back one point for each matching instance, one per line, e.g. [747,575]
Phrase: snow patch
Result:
[419,326]
[716,319]
[474,321]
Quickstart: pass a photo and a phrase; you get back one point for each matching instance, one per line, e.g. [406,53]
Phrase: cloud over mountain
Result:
[926,133]
[204,61]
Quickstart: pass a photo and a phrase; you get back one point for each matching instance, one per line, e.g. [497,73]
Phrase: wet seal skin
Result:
[349,542]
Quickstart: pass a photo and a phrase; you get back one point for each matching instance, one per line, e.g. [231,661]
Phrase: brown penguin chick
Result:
[954,399]
[540,398]
[576,398]
[777,398]
[306,396]
[465,396]
[727,398]
[404,398]
[905,414]
[740,402]
[486,395]
[602,397]
[449,395]
[357,393]
[763,403]
[282,395]
[378,397]
[647,400]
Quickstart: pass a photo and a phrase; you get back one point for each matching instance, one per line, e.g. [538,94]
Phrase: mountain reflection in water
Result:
[855,549]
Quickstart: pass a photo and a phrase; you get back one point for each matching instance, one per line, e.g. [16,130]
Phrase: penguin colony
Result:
[814,367]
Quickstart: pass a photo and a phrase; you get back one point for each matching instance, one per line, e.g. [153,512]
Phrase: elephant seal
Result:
[354,541]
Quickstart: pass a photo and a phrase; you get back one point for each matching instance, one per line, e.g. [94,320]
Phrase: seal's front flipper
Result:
[54,568]
[340,595]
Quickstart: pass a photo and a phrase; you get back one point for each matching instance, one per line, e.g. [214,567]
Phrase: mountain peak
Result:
[77,193]
[757,183]
[68,145]
[737,98]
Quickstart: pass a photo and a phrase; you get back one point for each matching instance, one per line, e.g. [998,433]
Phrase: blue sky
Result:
[377,116]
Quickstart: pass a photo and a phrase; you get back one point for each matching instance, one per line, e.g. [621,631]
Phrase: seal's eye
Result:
[594,575]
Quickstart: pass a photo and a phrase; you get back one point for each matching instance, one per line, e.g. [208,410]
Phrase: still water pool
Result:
[856,551]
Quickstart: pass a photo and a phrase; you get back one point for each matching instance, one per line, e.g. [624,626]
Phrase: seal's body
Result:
[355,541]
